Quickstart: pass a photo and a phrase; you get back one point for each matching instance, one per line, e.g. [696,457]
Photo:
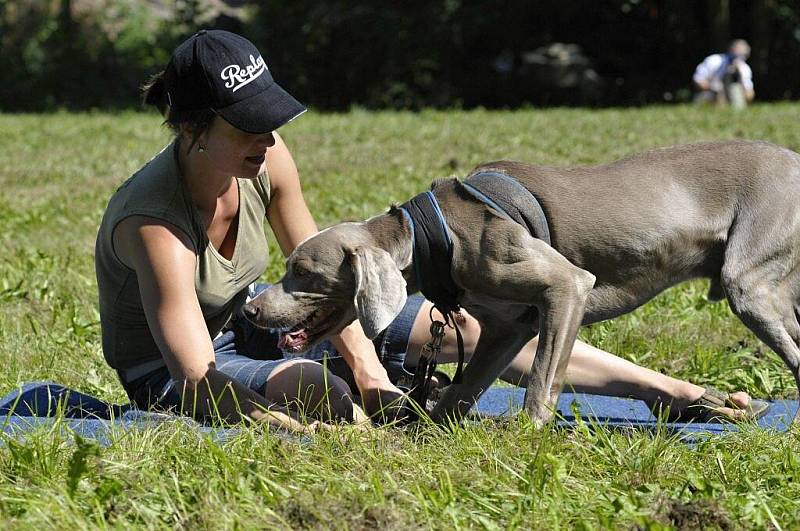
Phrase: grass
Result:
[56,174]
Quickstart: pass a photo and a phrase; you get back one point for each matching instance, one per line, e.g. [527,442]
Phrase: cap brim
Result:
[263,112]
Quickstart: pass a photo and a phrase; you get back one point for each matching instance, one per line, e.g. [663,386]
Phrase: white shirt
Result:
[712,70]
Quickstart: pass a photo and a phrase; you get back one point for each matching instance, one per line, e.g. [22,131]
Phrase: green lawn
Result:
[56,174]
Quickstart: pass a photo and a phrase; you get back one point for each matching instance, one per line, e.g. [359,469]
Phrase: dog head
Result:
[332,278]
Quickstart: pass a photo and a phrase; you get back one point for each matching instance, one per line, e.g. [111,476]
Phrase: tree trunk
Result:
[760,38]
[65,16]
[719,14]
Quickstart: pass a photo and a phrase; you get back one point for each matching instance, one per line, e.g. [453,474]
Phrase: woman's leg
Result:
[590,369]
[251,356]
[307,387]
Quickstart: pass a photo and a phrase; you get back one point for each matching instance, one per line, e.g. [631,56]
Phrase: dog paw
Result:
[540,418]
[538,424]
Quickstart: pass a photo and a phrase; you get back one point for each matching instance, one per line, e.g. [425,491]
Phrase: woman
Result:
[182,242]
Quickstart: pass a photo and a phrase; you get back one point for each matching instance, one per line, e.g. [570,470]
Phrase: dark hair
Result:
[154,92]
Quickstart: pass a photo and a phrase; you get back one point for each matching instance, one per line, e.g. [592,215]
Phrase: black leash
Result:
[452,320]
[426,365]
[428,358]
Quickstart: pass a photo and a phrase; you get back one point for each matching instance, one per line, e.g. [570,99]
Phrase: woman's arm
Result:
[292,223]
[287,213]
[164,263]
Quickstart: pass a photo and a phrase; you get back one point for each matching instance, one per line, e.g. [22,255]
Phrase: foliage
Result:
[89,53]
[413,54]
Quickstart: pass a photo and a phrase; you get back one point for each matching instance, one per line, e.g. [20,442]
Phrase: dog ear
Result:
[380,289]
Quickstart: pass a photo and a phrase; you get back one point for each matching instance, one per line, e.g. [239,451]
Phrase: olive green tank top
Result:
[157,191]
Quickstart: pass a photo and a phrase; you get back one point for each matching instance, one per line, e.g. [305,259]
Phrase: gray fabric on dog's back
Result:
[505,194]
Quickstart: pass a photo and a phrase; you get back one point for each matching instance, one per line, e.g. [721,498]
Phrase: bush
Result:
[411,54]
[89,53]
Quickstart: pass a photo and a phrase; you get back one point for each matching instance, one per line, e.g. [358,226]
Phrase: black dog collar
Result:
[433,251]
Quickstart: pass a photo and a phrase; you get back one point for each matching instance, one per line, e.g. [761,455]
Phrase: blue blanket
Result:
[43,405]
[47,404]
[625,412]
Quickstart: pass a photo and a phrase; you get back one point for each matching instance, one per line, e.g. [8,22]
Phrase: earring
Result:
[200,149]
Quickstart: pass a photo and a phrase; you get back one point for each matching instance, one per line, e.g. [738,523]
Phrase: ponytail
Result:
[154,93]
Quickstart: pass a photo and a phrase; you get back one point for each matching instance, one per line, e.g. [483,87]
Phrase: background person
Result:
[726,77]
[181,245]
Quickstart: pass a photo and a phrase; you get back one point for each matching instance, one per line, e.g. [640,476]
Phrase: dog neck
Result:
[392,233]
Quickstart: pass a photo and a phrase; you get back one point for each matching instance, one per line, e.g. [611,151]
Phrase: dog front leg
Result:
[560,319]
[498,344]
[559,289]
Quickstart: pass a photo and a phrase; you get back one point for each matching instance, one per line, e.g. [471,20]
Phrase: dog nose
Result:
[251,312]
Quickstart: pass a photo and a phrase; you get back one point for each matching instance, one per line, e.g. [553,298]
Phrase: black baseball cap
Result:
[222,71]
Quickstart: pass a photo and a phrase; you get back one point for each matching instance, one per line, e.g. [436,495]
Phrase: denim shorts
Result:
[249,354]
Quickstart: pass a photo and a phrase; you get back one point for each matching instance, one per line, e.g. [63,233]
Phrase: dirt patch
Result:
[387,518]
[305,512]
[300,516]
[694,514]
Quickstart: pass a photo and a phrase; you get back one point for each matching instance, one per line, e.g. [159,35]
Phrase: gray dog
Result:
[620,234]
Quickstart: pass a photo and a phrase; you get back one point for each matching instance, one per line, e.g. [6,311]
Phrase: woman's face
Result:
[233,152]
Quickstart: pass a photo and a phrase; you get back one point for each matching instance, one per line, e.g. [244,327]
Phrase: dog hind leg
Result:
[768,309]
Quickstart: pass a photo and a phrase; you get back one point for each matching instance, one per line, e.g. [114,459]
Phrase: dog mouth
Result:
[314,327]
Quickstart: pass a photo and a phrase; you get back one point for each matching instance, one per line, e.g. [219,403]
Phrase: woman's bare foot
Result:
[741,400]
[687,395]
